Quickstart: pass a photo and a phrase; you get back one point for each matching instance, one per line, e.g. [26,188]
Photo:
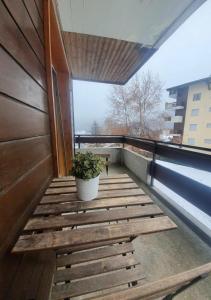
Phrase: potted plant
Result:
[86,169]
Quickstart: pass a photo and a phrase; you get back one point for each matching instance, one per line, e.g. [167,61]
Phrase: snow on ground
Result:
[201,219]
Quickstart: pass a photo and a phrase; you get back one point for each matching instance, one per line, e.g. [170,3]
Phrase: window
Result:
[191,141]
[208,125]
[193,127]
[195,112]
[196,97]
[209,109]
[207,141]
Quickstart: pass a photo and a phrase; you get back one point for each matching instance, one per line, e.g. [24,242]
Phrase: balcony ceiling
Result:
[108,41]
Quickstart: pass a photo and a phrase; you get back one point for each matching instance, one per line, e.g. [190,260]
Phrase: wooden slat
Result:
[95,268]
[90,205]
[35,17]
[16,201]
[15,163]
[102,194]
[28,91]
[88,285]
[23,53]
[92,245]
[160,287]
[20,14]
[102,181]
[94,254]
[62,239]
[104,187]
[57,222]
[28,122]
[70,178]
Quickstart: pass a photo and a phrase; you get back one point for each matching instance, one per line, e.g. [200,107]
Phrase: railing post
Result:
[152,169]
[79,144]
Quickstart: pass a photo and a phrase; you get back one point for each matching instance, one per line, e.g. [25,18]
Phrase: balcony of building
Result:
[147,234]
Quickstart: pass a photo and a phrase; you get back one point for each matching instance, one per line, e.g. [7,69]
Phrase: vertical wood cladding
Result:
[25,147]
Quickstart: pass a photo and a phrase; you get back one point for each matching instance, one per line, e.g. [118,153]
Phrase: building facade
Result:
[192,117]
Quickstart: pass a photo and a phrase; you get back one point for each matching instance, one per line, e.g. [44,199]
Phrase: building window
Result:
[209,109]
[193,127]
[208,125]
[196,97]
[191,141]
[195,112]
[207,141]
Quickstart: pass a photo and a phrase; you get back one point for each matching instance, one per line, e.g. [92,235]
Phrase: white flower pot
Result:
[87,189]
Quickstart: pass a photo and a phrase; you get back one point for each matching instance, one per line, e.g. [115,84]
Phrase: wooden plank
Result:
[92,245]
[13,40]
[12,75]
[88,285]
[28,122]
[160,287]
[104,187]
[70,178]
[16,201]
[30,281]
[58,222]
[55,209]
[20,14]
[17,157]
[93,254]
[102,181]
[101,195]
[62,239]
[35,18]
[94,268]
[39,5]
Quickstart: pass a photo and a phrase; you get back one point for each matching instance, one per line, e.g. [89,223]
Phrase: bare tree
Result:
[120,106]
[136,106]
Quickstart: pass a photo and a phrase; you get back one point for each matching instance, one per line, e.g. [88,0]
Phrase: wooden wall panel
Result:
[14,164]
[23,20]
[9,34]
[15,82]
[25,146]
[18,121]
[14,202]
[35,17]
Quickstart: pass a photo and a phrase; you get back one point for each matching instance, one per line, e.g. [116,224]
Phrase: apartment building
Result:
[191,109]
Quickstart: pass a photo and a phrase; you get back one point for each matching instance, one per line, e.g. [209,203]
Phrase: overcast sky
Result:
[184,57]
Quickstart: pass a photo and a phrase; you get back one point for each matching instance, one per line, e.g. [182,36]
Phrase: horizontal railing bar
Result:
[193,191]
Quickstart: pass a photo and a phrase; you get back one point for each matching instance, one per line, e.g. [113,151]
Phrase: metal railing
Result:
[196,157]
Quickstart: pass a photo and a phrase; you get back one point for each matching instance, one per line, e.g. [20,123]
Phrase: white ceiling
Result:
[140,21]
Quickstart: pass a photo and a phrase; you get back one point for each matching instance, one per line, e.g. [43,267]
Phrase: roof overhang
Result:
[109,40]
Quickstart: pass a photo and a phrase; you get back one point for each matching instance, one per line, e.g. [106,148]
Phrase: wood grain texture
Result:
[22,18]
[14,201]
[57,222]
[62,239]
[56,209]
[159,288]
[88,285]
[95,268]
[71,178]
[35,18]
[30,280]
[14,164]
[18,121]
[14,42]
[92,254]
[102,181]
[103,59]
[104,187]
[16,83]
[101,195]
